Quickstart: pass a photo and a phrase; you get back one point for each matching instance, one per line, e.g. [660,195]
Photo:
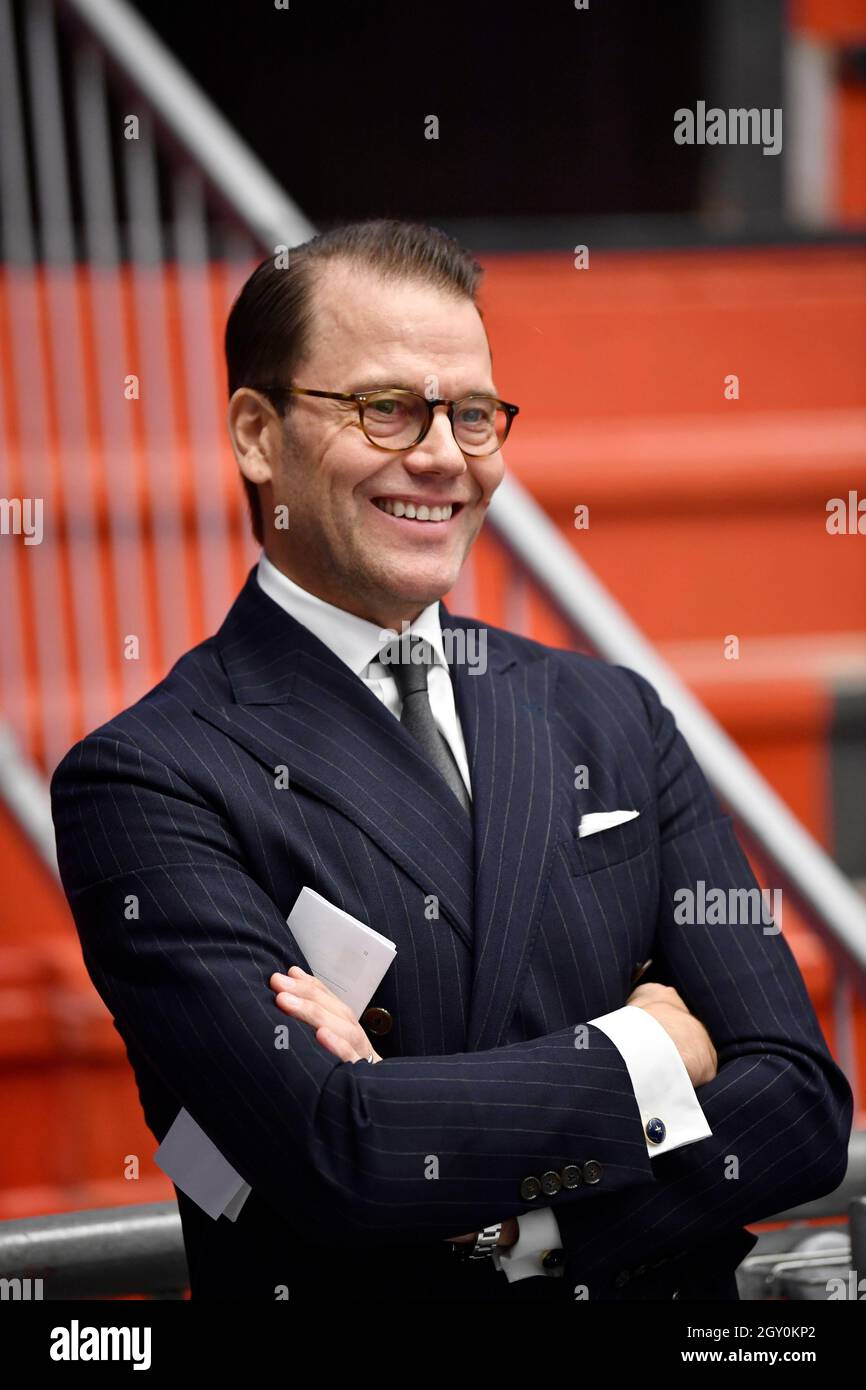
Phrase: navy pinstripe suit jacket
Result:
[182,852]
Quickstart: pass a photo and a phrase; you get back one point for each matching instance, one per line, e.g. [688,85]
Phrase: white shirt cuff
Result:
[658,1076]
[538,1232]
[663,1092]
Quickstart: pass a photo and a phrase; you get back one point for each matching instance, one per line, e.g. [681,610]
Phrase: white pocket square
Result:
[603,820]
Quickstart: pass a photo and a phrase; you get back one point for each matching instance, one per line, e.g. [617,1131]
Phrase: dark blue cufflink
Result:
[655,1130]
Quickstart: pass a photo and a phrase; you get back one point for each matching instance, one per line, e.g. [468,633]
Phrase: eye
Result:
[477,415]
[387,407]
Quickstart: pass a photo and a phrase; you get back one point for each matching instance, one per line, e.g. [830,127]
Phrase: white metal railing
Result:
[25,792]
[256,199]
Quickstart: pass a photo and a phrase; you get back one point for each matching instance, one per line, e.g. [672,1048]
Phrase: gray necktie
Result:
[417,716]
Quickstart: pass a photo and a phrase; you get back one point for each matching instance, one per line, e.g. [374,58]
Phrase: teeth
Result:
[408,509]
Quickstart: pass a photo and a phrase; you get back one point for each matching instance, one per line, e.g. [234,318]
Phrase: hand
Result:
[304,997]
[507,1236]
[691,1038]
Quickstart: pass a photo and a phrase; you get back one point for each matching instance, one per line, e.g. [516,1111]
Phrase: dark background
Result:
[544,110]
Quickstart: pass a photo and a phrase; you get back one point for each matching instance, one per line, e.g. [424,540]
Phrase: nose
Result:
[438,451]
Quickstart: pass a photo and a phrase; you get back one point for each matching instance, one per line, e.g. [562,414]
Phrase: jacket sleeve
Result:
[180,942]
[779,1108]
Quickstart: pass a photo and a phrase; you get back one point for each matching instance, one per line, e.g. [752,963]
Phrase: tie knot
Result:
[409,663]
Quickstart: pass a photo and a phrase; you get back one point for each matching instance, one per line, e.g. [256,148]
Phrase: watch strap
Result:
[486,1242]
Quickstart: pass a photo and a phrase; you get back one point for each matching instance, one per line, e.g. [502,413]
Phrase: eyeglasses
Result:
[394,418]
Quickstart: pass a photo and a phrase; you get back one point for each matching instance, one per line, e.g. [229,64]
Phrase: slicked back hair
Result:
[272,319]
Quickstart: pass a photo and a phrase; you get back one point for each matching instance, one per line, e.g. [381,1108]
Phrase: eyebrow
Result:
[402,385]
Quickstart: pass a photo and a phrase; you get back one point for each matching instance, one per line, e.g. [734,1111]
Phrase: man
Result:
[515,818]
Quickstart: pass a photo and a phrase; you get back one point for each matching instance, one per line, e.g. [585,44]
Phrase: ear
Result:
[254,429]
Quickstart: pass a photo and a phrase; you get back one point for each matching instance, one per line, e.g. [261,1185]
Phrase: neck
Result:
[386,612]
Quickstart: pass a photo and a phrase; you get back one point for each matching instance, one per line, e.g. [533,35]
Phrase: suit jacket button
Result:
[552,1259]
[571,1175]
[655,1130]
[550,1183]
[592,1170]
[377,1021]
[530,1188]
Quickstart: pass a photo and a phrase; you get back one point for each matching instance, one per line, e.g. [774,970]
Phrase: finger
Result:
[294,976]
[316,990]
[320,1016]
[311,988]
[300,982]
[344,1049]
[306,1009]
[339,1046]
[295,972]
[654,993]
[301,989]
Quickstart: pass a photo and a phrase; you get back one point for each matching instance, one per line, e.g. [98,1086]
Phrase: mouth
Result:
[423,515]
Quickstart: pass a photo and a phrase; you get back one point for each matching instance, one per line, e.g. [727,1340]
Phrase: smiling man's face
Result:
[340,545]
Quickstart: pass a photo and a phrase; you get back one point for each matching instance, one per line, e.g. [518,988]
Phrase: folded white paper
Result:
[347,956]
[603,820]
[198,1168]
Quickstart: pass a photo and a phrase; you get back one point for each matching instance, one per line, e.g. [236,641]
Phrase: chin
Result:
[418,583]
[416,591]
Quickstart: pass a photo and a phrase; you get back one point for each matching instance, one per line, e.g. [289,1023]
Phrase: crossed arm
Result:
[180,942]
[304,997]
[687,1056]
[343,1147]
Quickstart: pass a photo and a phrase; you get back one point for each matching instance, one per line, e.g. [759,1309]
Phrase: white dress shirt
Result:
[657,1072]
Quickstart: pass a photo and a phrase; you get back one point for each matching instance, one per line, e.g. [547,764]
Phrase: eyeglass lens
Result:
[480,423]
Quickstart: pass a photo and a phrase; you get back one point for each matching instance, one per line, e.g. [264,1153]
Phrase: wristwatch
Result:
[485,1243]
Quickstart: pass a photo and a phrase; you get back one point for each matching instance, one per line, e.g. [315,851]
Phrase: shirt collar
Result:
[354,640]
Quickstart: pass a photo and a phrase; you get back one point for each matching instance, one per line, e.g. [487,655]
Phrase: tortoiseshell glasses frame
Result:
[418,407]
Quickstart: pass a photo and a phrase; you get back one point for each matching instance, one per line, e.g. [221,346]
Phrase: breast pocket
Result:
[596,925]
[606,848]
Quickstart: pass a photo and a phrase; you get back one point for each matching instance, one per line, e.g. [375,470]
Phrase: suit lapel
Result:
[297,705]
[506,716]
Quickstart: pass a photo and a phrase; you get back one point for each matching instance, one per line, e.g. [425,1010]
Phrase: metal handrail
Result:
[24,791]
[253,195]
[110,1251]
[101,1253]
